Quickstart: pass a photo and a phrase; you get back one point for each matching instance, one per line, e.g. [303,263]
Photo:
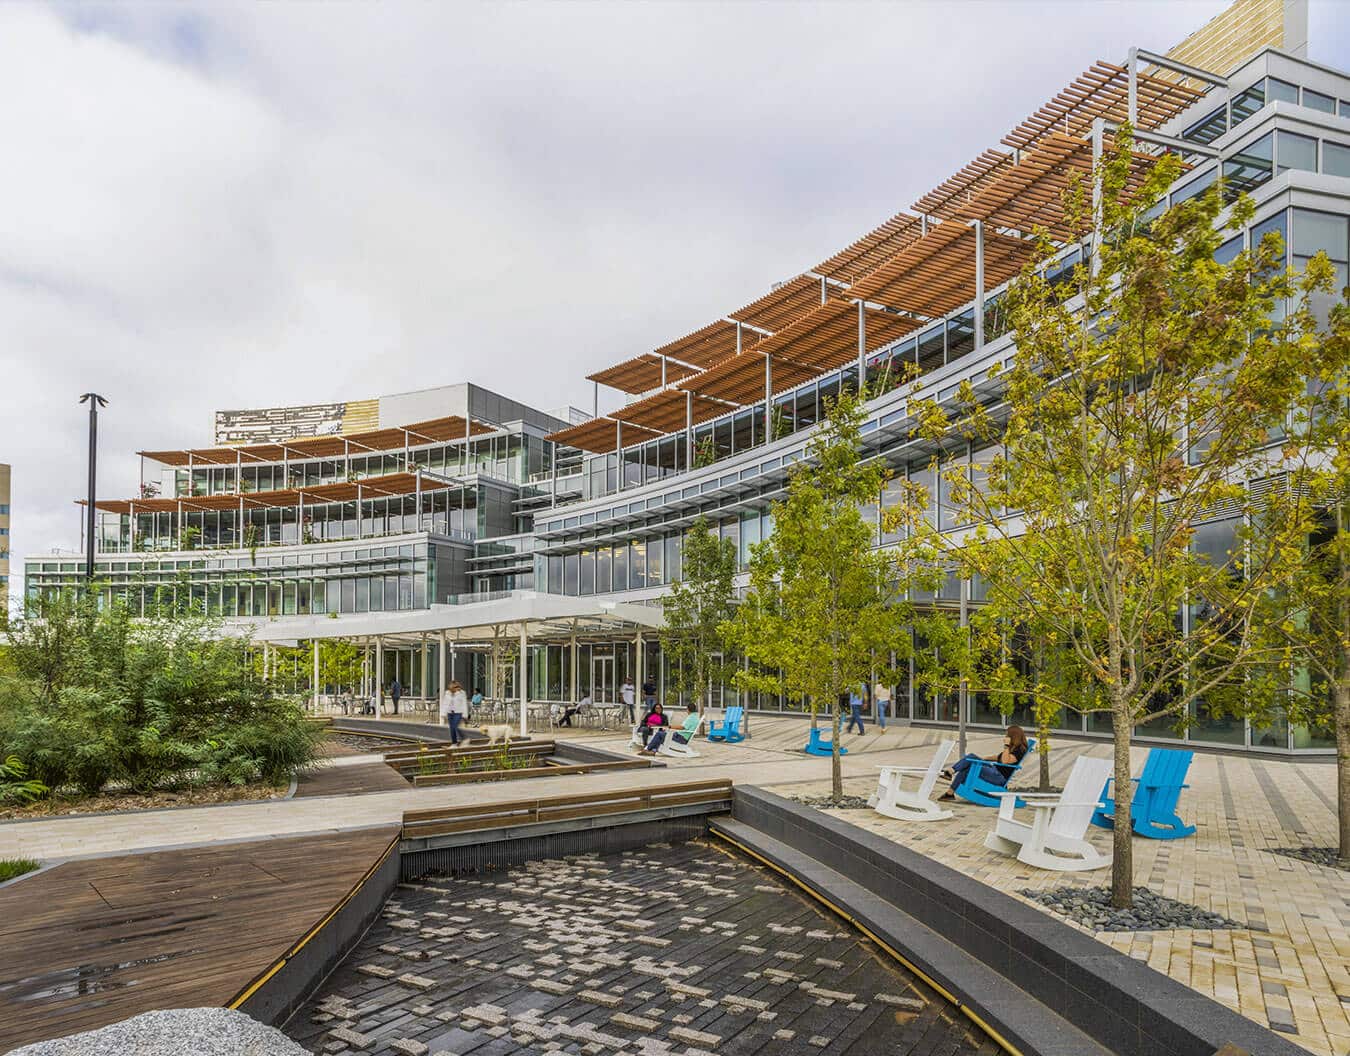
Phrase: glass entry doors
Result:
[603,690]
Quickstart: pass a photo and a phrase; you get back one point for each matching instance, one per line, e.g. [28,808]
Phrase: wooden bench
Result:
[465,776]
[410,760]
[447,820]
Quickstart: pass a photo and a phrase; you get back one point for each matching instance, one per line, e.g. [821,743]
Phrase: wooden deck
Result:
[91,942]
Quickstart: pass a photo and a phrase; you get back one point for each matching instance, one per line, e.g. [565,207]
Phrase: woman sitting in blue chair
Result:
[997,769]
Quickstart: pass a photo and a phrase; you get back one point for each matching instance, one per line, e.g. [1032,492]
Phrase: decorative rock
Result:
[408,1047]
[420,982]
[911,1003]
[351,1037]
[624,1019]
[377,970]
[695,1037]
[596,997]
[1091,907]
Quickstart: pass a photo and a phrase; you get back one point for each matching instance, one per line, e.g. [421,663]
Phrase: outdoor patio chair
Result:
[911,804]
[817,745]
[975,789]
[1055,837]
[1153,808]
[678,749]
[728,728]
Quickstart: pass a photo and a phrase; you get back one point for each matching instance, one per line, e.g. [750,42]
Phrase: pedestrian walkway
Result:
[1288,969]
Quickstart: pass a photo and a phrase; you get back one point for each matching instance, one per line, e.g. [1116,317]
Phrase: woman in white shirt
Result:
[454,709]
[882,695]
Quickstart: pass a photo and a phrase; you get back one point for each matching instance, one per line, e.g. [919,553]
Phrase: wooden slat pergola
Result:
[936,275]
[642,373]
[342,491]
[434,430]
[881,243]
[1103,91]
[668,411]
[601,435]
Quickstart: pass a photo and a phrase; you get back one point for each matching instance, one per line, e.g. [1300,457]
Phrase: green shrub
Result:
[15,784]
[95,697]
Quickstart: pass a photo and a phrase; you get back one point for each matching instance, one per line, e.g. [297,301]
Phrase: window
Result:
[1281,91]
[1208,128]
[1317,101]
[1321,232]
[1228,252]
[1197,186]
[1248,102]
[1295,152]
[1248,168]
[1335,159]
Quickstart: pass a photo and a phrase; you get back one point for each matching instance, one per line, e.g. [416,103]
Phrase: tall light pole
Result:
[95,401]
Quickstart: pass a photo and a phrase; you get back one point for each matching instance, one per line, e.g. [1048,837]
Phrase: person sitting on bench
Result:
[653,729]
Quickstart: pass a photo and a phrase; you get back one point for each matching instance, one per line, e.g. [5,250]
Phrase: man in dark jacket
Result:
[395,691]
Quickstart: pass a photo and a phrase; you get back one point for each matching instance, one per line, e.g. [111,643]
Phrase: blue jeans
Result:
[855,715]
[989,772]
[881,713]
[658,736]
[455,718]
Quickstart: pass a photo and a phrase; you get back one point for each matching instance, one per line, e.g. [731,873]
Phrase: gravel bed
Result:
[173,1032]
[1317,855]
[1091,907]
[827,803]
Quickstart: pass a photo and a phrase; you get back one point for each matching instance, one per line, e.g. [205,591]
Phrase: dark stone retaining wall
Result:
[307,966]
[928,908]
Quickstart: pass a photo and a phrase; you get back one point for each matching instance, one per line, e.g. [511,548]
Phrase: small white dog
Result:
[501,732]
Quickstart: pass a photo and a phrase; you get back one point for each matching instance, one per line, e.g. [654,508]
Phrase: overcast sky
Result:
[240,206]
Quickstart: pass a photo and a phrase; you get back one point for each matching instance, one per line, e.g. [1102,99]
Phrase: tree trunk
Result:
[836,772]
[1043,750]
[1343,767]
[1122,860]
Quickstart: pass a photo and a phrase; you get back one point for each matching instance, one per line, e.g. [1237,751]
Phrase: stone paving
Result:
[1288,967]
[667,951]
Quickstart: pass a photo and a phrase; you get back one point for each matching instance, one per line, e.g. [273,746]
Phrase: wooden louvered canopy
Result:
[936,275]
[788,301]
[1103,91]
[642,373]
[704,346]
[341,491]
[963,185]
[880,244]
[602,434]
[434,430]
[666,411]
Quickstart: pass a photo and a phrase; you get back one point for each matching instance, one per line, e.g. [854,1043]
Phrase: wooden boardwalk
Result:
[91,942]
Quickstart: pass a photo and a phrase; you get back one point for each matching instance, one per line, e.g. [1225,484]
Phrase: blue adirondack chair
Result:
[975,789]
[817,745]
[727,728]
[1153,808]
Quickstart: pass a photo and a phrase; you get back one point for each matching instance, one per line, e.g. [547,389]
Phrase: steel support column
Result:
[524,661]
[862,347]
[979,282]
[316,673]
[768,399]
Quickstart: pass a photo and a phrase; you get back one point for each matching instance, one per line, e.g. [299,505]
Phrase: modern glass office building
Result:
[430,514]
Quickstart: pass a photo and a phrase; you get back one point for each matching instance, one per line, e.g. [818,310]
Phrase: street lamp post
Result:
[95,401]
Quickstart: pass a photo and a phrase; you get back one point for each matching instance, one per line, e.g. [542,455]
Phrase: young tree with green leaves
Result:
[1142,398]
[695,608]
[824,601]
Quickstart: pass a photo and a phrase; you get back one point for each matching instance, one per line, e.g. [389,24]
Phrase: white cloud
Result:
[223,206]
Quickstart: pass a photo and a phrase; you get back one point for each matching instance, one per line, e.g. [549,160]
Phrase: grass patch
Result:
[12,867]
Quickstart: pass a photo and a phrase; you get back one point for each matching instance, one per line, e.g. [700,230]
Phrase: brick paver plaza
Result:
[1288,968]
[670,950]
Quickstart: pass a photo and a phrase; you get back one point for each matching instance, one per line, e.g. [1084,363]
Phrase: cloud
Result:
[226,206]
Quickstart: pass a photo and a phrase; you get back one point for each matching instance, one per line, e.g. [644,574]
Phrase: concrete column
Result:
[316,674]
[441,683]
[637,668]
[426,670]
[524,663]
[768,399]
[379,675]
[575,673]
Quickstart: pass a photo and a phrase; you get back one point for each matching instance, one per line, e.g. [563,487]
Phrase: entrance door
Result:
[604,690]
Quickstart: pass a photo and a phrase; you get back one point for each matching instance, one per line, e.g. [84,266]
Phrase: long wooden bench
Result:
[446,820]
[463,776]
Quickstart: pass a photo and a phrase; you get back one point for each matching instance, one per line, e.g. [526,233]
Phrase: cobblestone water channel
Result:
[667,951]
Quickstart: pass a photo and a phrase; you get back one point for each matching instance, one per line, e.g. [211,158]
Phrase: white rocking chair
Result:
[672,746]
[1055,838]
[915,804]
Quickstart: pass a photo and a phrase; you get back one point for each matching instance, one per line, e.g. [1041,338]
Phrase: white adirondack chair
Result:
[681,749]
[1055,837]
[911,804]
